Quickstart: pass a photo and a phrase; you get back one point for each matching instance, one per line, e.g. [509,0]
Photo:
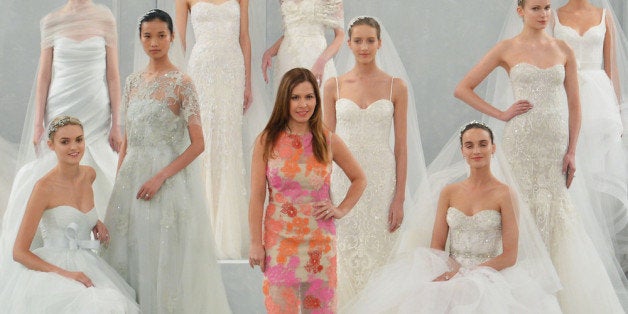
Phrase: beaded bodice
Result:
[474,239]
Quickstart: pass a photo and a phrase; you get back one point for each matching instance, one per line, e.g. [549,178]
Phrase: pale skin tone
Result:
[67,184]
[580,15]
[363,85]
[156,39]
[302,104]
[183,9]
[480,191]
[44,78]
[318,68]
[535,47]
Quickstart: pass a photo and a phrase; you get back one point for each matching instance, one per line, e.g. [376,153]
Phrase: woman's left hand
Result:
[446,275]
[150,188]
[115,138]
[395,215]
[101,233]
[569,168]
[248,98]
[326,210]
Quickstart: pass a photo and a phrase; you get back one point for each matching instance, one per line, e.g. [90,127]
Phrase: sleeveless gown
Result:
[405,285]
[364,242]
[600,152]
[217,67]
[78,88]
[534,144]
[304,24]
[300,250]
[163,247]
[66,233]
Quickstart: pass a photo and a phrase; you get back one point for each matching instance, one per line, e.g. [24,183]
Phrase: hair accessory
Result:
[56,124]
[462,129]
[357,18]
[141,18]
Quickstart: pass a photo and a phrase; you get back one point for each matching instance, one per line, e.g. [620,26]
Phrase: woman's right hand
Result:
[519,107]
[257,256]
[78,276]
[39,132]
[267,62]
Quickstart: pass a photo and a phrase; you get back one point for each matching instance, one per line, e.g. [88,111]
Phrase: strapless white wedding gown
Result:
[217,67]
[364,242]
[66,235]
[405,285]
[534,144]
[600,152]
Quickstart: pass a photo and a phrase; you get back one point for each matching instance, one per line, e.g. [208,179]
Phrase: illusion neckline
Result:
[585,32]
[369,105]
[474,214]
[75,208]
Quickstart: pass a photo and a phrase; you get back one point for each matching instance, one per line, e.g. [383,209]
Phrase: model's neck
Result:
[480,176]
[298,128]
[365,69]
[72,3]
[529,33]
[68,171]
[159,65]
[578,4]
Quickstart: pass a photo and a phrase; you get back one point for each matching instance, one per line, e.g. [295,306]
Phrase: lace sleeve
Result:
[332,13]
[190,108]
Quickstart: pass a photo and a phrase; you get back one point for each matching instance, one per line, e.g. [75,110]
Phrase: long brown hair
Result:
[280,116]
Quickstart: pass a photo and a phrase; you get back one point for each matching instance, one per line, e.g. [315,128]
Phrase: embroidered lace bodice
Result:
[310,17]
[216,26]
[474,239]
[168,101]
[351,119]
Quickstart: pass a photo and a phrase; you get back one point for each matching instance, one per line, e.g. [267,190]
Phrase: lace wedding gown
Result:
[600,152]
[304,24]
[163,247]
[534,144]
[364,242]
[217,67]
[66,233]
[406,286]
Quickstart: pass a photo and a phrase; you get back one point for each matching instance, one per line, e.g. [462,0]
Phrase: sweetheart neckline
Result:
[536,66]
[80,211]
[474,214]
[369,105]
[585,32]
[210,3]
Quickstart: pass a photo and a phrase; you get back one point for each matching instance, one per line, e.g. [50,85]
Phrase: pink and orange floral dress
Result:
[300,273]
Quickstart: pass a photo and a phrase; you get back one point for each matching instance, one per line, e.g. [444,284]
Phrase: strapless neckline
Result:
[474,214]
[78,42]
[72,207]
[535,66]
[210,3]
[381,100]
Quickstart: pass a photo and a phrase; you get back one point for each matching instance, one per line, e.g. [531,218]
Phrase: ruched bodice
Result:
[67,227]
[474,239]
[78,86]
[588,47]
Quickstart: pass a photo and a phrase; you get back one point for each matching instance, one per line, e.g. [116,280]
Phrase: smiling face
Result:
[364,43]
[477,147]
[535,13]
[68,144]
[302,103]
[156,38]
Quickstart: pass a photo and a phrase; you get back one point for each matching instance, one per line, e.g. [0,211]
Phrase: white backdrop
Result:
[439,40]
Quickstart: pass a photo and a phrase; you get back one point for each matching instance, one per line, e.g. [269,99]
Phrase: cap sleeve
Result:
[190,108]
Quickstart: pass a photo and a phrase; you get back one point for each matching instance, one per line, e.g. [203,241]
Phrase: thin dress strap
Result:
[337,89]
[392,80]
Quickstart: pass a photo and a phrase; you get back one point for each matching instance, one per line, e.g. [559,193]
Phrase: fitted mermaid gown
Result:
[534,144]
[217,67]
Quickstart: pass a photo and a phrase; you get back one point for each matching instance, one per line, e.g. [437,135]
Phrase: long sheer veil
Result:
[389,61]
[499,94]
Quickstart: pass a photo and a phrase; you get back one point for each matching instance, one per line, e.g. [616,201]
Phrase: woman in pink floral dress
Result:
[292,158]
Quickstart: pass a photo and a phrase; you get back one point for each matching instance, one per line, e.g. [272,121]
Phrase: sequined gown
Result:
[600,153]
[300,250]
[405,285]
[163,247]
[304,25]
[538,172]
[364,242]
[217,67]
